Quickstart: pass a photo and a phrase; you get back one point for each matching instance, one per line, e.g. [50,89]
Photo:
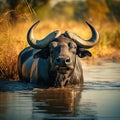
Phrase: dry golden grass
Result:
[13,40]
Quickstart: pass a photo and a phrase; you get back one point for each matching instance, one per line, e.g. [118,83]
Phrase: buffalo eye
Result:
[72,45]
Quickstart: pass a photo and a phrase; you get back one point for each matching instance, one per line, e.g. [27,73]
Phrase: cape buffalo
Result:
[54,60]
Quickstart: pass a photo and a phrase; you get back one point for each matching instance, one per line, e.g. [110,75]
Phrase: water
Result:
[98,100]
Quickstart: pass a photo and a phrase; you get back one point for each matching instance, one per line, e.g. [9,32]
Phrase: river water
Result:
[98,100]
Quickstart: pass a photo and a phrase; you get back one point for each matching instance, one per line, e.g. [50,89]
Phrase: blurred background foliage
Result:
[16,16]
[96,10]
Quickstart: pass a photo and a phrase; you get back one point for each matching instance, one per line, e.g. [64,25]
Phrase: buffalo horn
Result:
[85,43]
[39,44]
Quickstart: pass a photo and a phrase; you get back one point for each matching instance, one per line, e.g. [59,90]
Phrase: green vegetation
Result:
[17,16]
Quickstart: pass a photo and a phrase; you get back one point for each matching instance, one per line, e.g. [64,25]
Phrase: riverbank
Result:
[112,55]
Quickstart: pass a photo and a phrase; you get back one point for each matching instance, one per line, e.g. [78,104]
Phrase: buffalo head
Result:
[61,50]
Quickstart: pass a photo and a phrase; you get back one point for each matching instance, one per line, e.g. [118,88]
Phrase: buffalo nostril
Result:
[67,60]
[62,61]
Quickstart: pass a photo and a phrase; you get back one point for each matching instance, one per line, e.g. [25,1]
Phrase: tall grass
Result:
[13,40]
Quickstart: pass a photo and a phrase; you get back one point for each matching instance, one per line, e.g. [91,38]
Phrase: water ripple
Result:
[104,85]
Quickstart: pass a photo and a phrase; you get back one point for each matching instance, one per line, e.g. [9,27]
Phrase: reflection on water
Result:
[98,100]
[56,102]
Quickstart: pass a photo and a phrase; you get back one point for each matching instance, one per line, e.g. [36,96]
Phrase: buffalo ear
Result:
[83,53]
[43,53]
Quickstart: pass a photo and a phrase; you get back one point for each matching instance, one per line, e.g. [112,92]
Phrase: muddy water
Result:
[98,100]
